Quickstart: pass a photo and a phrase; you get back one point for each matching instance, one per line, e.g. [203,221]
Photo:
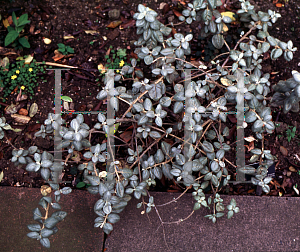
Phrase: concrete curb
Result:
[263,224]
[76,232]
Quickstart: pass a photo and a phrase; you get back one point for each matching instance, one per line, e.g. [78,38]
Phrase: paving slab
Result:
[76,232]
[263,224]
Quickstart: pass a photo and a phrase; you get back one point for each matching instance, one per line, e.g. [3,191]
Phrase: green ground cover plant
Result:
[20,75]
[189,149]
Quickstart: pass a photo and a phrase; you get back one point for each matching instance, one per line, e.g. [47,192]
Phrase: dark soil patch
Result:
[56,19]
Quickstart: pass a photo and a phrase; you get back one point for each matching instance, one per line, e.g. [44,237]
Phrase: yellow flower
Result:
[18,71]
[121,63]
[117,71]
[30,69]
[23,87]
[13,77]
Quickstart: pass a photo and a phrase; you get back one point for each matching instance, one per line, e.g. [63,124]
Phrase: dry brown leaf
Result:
[131,23]
[33,109]
[114,24]
[292,169]
[23,111]
[31,30]
[47,41]
[21,118]
[177,13]
[57,56]
[250,139]
[19,95]
[92,32]
[226,82]
[284,151]
[250,146]
[5,23]
[28,59]
[102,68]
[126,136]
[108,51]
[225,28]
[45,190]
[182,2]
[68,37]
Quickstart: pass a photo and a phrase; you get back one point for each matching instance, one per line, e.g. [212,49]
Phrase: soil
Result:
[56,19]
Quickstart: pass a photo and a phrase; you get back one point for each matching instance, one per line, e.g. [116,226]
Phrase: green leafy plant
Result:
[14,76]
[184,125]
[64,49]
[115,60]
[290,133]
[14,33]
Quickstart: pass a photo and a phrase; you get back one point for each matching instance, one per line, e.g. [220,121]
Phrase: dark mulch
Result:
[56,19]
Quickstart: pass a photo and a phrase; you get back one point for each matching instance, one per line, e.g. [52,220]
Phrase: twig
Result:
[135,101]
[56,64]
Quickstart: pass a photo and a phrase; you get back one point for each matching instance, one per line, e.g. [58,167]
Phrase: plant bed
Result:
[85,44]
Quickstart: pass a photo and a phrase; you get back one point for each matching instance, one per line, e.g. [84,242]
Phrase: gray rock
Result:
[114,14]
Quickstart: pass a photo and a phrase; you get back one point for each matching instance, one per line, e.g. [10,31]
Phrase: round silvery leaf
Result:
[175,42]
[22,160]
[69,135]
[158,121]
[88,154]
[80,118]
[232,89]
[165,101]
[150,114]
[156,71]
[276,53]
[167,51]
[37,157]
[77,136]
[32,167]
[97,126]
[145,50]
[114,102]
[141,8]
[164,72]
[77,145]
[84,133]
[218,41]
[156,50]
[185,45]
[296,76]
[46,163]
[226,19]
[186,12]
[148,60]
[150,18]
[147,104]
[181,18]
[178,107]
[139,107]
[288,55]
[101,95]
[143,119]
[75,125]
[101,158]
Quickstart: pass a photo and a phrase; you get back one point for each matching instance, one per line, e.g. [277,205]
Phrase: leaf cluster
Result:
[64,49]
[14,33]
